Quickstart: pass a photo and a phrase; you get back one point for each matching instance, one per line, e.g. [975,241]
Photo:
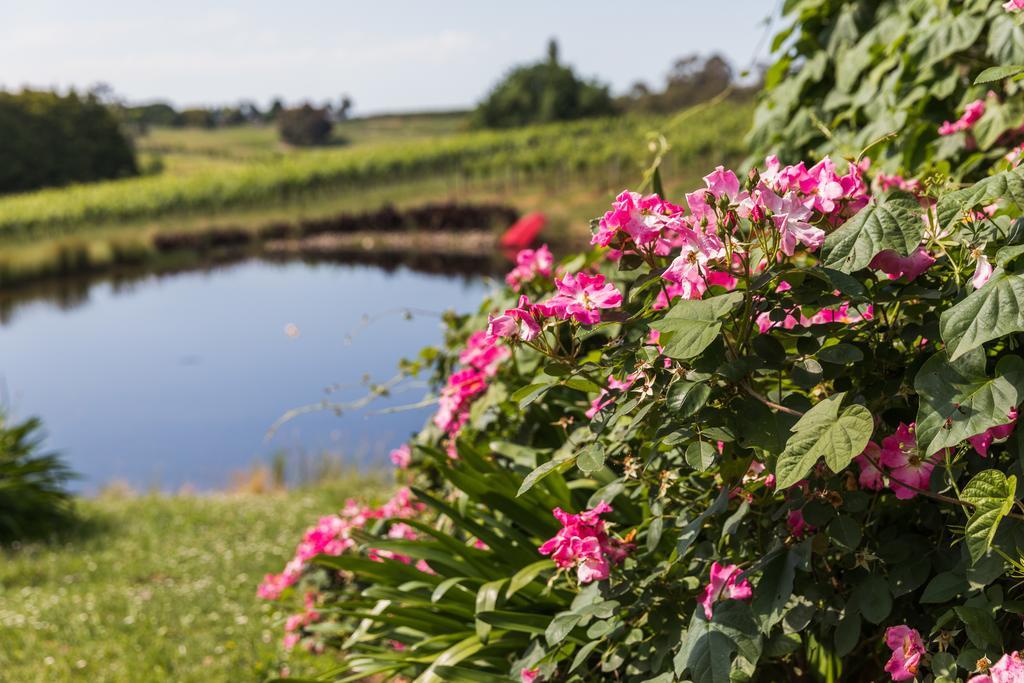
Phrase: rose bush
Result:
[764,431]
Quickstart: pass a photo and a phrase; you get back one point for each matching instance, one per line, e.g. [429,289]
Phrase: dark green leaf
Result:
[691,325]
[959,400]
[892,224]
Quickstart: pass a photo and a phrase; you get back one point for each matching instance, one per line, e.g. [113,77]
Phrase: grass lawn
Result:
[159,588]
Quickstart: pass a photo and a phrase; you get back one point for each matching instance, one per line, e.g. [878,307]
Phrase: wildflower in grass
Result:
[907,267]
[724,585]
[518,323]
[907,649]
[401,456]
[1009,668]
[982,442]
[640,218]
[972,112]
[1013,5]
[583,543]
[581,297]
[529,675]
[530,263]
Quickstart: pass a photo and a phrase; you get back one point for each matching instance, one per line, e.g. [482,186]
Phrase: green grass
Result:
[159,589]
[577,149]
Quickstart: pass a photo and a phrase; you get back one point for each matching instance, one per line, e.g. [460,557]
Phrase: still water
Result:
[174,380]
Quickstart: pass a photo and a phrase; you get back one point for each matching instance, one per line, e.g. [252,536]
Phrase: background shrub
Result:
[48,139]
[305,126]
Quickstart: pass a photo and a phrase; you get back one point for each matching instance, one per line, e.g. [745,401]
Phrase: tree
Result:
[304,126]
[275,109]
[48,139]
[542,92]
[691,80]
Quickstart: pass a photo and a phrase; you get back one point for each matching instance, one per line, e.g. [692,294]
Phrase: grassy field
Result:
[158,588]
[197,182]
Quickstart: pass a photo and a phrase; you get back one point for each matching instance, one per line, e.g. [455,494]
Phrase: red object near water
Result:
[524,231]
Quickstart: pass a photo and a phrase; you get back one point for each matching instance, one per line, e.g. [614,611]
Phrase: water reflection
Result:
[172,378]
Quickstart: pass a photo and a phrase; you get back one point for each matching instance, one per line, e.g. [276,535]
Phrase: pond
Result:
[171,381]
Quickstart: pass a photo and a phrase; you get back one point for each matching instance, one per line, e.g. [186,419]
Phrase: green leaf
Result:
[946,38]
[958,399]
[525,576]
[840,354]
[700,455]
[486,599]
[982,629]
[944,664]
[559,463]
[992,494]
[560,627]
[845,531]
[524,622]
[944,587]
[995,310]
[582,384]
[847,633]
[524,396]
[775,588]
[685,398]
[591,458]
[824,432]
[1008,185]
[873,598]
[892,224]
[998,73]
[708,646]
[691,325]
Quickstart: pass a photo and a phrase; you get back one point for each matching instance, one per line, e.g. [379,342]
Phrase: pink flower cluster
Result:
[644,220]
[401,456]
[724,585]
[530,263]
[843,313]
[583,543]
[296,622]
[907,649]
[481,359]
[1009,668]
[972,112]
[1013,5]
[332,536]
[580,297]
[899,459]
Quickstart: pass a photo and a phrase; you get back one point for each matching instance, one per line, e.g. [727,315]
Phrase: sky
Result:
[389,55]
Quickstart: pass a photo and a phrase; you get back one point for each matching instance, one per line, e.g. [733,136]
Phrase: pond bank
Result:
[468,229]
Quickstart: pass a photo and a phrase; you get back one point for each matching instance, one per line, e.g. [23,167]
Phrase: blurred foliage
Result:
[304,126]
[886,74]
[541,93]
[33,501]
[48,139]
